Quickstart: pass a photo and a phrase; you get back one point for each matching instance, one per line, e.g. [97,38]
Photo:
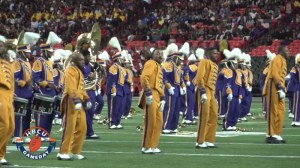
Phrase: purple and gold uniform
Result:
[275,82]
[152,83]
[7,119]
[172,78]
[205,81]
[233,84]
[222,99]
[189,75]
[88,69]
[42,75]
[74,120]
[23,89]
[294,88]
[128,94]
[115,86]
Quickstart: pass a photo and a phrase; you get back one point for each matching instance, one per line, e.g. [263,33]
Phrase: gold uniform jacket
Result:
[206,76]
[151,79]
[277,73]
[74,85]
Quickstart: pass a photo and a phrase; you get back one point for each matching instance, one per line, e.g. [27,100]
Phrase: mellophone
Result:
[43,104]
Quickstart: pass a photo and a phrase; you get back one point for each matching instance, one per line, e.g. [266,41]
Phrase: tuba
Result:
[94,37]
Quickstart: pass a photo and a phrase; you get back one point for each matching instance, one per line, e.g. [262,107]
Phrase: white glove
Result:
[203,98]
[171,91]
[240,101]
[149,100]
[184,90]
[281,94]
[162,105]
[131,90]
[288,77]
[88,105]
[113,95]
[78,106]
[188,83]
[249,89]
[99,91]
[229,97]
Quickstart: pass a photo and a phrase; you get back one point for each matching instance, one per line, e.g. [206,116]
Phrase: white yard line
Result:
[200,154]
[35,166]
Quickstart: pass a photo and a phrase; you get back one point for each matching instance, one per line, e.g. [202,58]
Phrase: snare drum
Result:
[57,104]
[43,103]
[20,106]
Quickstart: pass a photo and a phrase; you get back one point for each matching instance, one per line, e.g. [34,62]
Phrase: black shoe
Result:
[283,141]
[272,140]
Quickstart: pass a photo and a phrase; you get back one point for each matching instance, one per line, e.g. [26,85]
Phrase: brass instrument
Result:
[94,37]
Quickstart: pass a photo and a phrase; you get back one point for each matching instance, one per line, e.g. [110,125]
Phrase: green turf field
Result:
[122,148]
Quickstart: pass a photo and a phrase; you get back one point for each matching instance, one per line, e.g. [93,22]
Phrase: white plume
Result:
[185,49]
[200,53]
[2,39]
[31,38]
[53,39]
[104,56]
[114,42]
[172,48]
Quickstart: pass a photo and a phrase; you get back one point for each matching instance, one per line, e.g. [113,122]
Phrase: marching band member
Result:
[7,119]
[83,45]
[152,102]
[205,81]
[250,83]
[231,89]
[294,87]
[23,85]
[270,57]
[115,87]
[184,51]
[102,58]
[74,96]
[245,89]
[42,76]
[128,86]
[274,91]
[222,105]
[189,75]
[174,83]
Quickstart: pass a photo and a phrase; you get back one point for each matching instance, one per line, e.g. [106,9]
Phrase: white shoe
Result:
[78,157]
[64,156]
[156,150]
[58,121]
[4,162]
[174,131]
[203,145]
[119,126]
[27,140]
[231,128]
[296,124]
[61,129]
[279,138]
[291,115]
[180,113]
[129,116]
[166,131]
[222,116]
[249,114]
[46,139]
[147,151]
[187,122]
[113,127]
[244,119]
[17,139]
[210,145]
[96,117]
[123,117]
[196,117]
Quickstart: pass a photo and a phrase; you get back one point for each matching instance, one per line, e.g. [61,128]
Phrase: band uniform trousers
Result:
[127,104]
[171,111]
[291,101]
[245,104]
[100,104]
[191,101]
[208,118]
[296,106]
[232,113]
[222,103]
[183,104]
[75,128]
[275,109]
[90,113]
[152,122]
[20,128]
[114,105]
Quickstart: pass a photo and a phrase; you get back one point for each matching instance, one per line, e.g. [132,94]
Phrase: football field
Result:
[122,148]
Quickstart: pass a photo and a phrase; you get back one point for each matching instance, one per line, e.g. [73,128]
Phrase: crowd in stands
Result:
[154,20]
